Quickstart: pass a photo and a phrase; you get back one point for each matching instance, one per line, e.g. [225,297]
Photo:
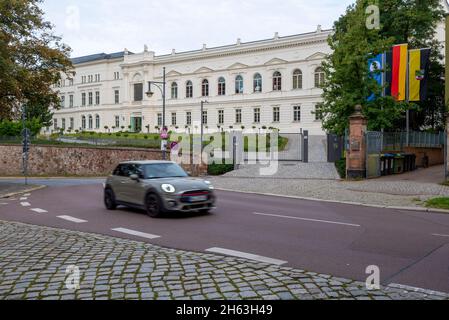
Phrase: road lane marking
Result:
[306,219]
[440,235]
[136,233]
[246,255]
[27,194]
[3,204]
[72,219]
[38,210]
[23,199]
[25,204]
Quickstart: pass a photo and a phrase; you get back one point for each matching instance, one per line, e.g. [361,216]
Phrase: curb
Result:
[415,209]
[31,189]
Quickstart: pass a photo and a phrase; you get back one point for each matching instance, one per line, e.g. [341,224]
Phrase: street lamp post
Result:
[150,93]
[202,125]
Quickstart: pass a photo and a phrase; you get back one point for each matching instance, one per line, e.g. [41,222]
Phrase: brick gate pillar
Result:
[356,157]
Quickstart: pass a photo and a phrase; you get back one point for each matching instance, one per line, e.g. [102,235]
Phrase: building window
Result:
[188,118]
[159,119]
[276,114]
[173,119]
[238,115]
[204,117]
[91,98]
[83,99]
[70,82]
[318,112]
[91,124]
[117,122]
[174,90]
[277,81]
[257,83]
[296,113]
[239,84]
[189,89]
[72,123]
[55,124]
[62,101]
[97,122]
[71,101]
[116,96]
[256,115]
[138,91]
[116,75]
[220,116]
[205,88]
[97,98]
[297,79]
[83,79]
[221,86]
[83,122]
[63,123]
[319,77]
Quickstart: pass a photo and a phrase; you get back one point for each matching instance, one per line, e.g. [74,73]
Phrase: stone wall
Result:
[435,155]
[69,161]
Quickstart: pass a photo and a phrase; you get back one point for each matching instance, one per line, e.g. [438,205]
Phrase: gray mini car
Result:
[157,187]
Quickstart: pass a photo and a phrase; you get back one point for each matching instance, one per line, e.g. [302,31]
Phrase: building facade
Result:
[248,86]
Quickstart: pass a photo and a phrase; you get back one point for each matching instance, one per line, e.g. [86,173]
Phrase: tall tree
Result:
[32,58]
[348,80]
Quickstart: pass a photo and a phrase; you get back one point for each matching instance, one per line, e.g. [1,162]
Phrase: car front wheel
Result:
[153,205]
[109,199]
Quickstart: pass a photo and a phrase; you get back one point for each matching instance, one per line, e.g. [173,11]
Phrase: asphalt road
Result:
[410,248]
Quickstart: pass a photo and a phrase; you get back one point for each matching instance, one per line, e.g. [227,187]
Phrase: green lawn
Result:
[438,203]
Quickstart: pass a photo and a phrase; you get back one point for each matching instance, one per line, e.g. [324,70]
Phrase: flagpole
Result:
[407,99]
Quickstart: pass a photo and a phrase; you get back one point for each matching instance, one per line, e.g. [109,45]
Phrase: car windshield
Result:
[163,170]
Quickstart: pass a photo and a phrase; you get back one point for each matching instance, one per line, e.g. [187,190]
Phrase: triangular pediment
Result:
[238,65]
[316,56]
[173,73]
[204,70]
[275,61]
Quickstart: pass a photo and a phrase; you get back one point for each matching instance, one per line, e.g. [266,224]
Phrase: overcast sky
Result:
[94,26]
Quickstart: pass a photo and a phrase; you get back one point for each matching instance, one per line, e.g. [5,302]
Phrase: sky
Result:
[95,26]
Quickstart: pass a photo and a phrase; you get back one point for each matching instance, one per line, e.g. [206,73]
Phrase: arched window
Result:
[238,84]
[83,122]
[221,86]
[91,122]
[319,77]
[297,79]
[277,81]
[189,89]
[97,122]
[257,83]
[174,90]
[205,88]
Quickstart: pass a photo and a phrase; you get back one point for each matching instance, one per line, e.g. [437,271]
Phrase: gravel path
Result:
[34,262]
[374,192]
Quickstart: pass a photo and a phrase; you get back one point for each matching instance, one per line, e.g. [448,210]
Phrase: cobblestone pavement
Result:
[34,260]
[374,192]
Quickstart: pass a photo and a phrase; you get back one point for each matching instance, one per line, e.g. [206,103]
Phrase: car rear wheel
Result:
[153,205]
[109,199]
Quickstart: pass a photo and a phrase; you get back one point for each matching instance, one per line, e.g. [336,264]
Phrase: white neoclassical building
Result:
[248,85]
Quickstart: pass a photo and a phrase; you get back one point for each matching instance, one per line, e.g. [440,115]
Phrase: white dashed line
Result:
[136,233]
[23,199]
[72,219]
[306,219]
[27,194]
[25,204]
[3,204]
[440,235]
[245,255]
[37,210]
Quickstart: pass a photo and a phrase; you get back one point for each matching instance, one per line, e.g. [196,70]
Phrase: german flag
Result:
[418,74]
[399,72]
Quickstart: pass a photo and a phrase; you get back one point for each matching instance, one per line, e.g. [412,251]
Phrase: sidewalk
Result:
[34,261]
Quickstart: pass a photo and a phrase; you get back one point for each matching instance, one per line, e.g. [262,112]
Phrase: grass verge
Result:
[438,203]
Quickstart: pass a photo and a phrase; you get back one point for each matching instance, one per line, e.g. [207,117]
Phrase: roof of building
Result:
[99,56]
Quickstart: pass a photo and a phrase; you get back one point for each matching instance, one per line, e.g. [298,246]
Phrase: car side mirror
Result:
[134,177]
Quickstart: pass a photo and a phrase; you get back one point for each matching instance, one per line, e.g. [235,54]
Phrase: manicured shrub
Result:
[219,169]
[341,168]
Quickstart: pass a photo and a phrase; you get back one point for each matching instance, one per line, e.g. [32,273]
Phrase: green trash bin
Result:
[398,166]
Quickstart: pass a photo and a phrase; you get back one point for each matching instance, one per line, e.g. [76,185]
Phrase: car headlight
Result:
[209,184]
[168,188]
